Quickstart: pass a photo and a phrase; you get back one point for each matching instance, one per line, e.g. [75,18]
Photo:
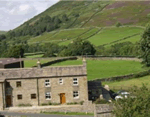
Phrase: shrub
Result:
[118,24]
[24,105]
[101,101]
[44,104]
[81,102]
[72,103]
[55,103]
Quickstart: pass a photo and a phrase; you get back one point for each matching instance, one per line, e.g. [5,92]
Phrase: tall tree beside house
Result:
[15,51]
[145,46]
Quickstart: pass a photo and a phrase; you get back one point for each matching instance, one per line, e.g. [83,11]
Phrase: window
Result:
[33,96]
[75,94]
[75,81]
[19,97]
[48,95]
[47,83]
[18,84]
[60,81]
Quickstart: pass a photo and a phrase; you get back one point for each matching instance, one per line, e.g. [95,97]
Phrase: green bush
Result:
[24,105]
[72,103]
[118,24]
[81,102]
[101,101]
[44,104]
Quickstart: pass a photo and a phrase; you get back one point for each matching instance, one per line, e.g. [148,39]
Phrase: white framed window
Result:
[47,83]
[48,95]
[75,81]
[60,81]
[75,94]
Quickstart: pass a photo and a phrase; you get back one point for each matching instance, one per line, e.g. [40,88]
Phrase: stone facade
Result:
[33,82]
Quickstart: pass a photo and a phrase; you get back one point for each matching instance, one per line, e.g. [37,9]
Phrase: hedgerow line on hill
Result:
[121,39]
[93,15]
[93,34]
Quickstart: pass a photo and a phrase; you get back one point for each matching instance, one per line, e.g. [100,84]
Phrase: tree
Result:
[136,106]
[15,51]
[118,24]
[64,17]
[145,46]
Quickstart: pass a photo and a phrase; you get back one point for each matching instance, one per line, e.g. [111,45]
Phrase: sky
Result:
[15,12]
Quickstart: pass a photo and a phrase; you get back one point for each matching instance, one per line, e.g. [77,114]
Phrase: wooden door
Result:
[8,101]
[62,98]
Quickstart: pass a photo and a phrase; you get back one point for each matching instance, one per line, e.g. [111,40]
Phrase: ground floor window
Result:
[48,95]
[19,97]
[33,96]
[75,94]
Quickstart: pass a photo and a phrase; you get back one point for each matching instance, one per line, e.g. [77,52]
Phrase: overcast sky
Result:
[15,12]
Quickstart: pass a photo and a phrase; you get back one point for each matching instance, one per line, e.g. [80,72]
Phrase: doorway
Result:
[62,98]
[8,100]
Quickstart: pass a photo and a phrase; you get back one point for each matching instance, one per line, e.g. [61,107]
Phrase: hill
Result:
[3,32]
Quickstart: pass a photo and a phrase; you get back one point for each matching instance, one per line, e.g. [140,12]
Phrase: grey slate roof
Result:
[43,72]
[5,61]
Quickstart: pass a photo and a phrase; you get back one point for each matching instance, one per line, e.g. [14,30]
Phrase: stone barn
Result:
[11,63]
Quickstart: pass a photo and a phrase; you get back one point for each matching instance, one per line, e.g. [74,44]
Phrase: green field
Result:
[126,84]
[111,34]
[60,36]
[31,63]
[107,68]
[34,56]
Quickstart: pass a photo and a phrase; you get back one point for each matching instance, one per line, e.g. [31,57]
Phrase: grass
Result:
[126,84]
[34,56]
[68,113]
[60,36]
[111,34]
[106,68]
[31,63]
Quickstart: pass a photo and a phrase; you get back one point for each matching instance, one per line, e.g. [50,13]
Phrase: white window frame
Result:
[77,97]
[47,83]
[48,94]
[75,81]
[61,81]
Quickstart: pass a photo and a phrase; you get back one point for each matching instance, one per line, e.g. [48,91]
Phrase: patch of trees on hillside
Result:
[44,24]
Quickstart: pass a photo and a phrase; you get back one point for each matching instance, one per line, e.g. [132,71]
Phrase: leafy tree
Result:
[136,106]
[145,46]
[15,51]
[64,17]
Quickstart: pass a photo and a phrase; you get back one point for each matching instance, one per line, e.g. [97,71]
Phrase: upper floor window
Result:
[60,81]
[75,94]
[47,83]
[48,95]
[75,81]
[18,84]
[33,96]
[19,97]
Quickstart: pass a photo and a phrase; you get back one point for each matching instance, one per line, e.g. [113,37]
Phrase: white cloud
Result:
[15,12]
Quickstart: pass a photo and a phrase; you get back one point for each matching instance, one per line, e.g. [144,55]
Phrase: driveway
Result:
[2,114]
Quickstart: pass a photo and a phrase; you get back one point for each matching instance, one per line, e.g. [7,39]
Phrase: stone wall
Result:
[86,107]
[103,110]
[1,96]
[67,87]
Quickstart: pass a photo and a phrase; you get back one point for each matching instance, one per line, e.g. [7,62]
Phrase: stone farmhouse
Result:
[38,85]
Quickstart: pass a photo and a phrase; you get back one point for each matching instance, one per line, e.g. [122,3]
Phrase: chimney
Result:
[84,62]
[38,64]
